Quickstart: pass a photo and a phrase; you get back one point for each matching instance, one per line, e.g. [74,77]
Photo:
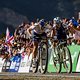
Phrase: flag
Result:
[7,34]
[10,40]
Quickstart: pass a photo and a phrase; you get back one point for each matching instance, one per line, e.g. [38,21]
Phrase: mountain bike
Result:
[65,56]
[61,55]
[55,56]
[42,56]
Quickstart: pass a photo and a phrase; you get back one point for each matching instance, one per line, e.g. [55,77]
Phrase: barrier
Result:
[22,65]
[16,64]
[74,49]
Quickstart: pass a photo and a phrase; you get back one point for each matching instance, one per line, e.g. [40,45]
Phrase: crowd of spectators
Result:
[22,43]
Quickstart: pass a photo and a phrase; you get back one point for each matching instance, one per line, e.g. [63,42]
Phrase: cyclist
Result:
[38,30]
[60,32]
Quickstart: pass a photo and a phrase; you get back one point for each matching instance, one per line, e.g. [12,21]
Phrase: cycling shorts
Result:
[37,37]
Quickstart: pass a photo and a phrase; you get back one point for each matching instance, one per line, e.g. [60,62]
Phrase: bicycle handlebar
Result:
[60,39]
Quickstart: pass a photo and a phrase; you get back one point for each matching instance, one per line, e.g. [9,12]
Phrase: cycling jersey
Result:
[37,29]
[37,37]
[37,32]
[61,33]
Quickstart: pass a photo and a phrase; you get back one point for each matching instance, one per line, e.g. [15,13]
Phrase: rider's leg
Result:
[35,45]
[34,53]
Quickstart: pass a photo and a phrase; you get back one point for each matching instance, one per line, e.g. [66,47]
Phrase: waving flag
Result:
[9,39]
[7,34]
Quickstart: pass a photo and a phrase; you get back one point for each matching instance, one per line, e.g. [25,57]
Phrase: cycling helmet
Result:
[57,20]
[42,22]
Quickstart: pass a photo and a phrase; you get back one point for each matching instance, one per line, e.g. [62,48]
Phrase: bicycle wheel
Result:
[43,57]
[35,69]
[56,59]
[67,60]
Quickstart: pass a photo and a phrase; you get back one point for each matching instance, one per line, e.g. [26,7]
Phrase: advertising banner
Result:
[74,50]
[1,63]
[25,64]
[14,67]
[6,66]
[78,64]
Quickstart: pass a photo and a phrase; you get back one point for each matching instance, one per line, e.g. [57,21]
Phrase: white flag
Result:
[7,34]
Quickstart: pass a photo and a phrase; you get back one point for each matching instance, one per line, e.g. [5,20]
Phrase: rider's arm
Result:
[53,32]
[29,30]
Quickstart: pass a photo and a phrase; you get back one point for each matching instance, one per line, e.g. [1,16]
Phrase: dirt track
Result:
[37,76]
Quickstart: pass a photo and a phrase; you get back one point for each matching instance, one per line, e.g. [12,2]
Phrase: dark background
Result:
[30,10]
